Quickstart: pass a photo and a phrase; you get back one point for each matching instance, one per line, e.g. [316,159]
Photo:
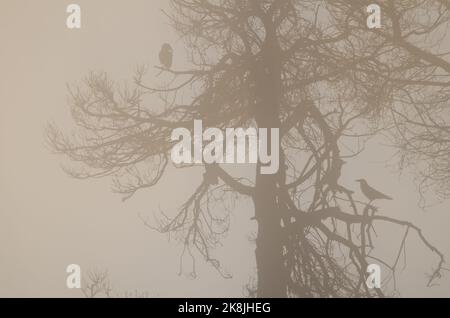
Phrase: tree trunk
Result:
[269,246]
[269,257]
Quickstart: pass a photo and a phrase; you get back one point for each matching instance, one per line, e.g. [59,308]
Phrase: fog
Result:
[49,220]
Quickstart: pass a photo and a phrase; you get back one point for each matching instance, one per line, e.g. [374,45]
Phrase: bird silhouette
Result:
[334,173]
[370,192]
[166,55]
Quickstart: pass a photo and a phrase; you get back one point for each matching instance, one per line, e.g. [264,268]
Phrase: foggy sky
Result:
[49,220]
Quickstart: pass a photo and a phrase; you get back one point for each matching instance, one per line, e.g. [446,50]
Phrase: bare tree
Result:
[310,68]
[420,111]
[97,284]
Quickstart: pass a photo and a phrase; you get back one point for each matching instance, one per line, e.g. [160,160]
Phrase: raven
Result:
[166,55]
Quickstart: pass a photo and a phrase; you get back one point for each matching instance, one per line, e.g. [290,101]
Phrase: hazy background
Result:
[48,220]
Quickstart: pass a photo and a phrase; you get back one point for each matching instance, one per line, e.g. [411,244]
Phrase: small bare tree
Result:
[97,284]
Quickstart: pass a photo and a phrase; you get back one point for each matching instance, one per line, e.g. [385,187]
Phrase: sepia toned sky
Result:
[49,220]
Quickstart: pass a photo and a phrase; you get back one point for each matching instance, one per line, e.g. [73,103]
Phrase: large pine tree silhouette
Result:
[310,68]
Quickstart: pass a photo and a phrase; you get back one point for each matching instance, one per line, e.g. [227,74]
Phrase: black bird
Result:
[334,173]
[370,192]
[166,56]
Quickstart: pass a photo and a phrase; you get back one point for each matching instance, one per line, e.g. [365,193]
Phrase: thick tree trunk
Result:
[269,245]
[269,258]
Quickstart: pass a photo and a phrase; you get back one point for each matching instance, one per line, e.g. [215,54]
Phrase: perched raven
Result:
[370,192]
[166,55]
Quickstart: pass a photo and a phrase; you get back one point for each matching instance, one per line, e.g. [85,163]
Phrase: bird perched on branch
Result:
[166,55]
[370,192]
[334,173]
